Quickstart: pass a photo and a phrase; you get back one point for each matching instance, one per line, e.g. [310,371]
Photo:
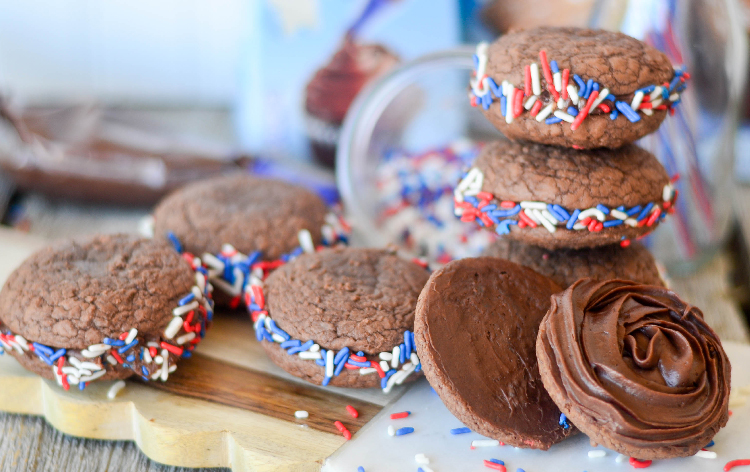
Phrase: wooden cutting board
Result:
[227,406]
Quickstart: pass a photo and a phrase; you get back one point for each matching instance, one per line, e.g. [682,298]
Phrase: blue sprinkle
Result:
[186,299]
[404,430]
[254,307]
[301,348]
[175,242]
[81,385]
[402,353]
[44,349]
[186,354]
[496,89]
[629,113]
[589,88]
[291,343]
[407,343]
[384,380]
[572,111]
[360,468]
[127,366]
[472,199]
[553,66]
[413,344]
[358,363]
[125,349]
[611,223]
[710,444]
[476,61]
[602,208]
[43,357]
[497,461]
[419,469]
[113,342]
[487,208]
[418,368]
[563,421]
[644,213]
[130,358]
[275,329]
[259,333]
[503,103]
[621,208]
[613,115]
[595,87]
[561,211]
[59,353]
[674,82]
[551,209]
[325,381]
[504,226]
[341,355]
[460,430]
[573,218]
[144,370]
[633,210]
[552,120]
[268,336]
[486,101]
[581,84]
[520,470]
[339,367]
[320,362]
[503,213]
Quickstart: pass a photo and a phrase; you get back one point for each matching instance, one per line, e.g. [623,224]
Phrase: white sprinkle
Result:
[674,97]
[667,193]
[545,112]
[90,355]
[110,359]
[22,342]
[414,358]
[655,93]
[706,454]
[301,414]
[306,241]
[90,366]
[93,376]
[115,389]
[421,459]
[147,356]
[131,336]
[573,93]
[165,365]
[70,371]
[647,111]
[185,338]
[173,327]
[564,116]
[329,363]
[278,338]
[620,215]
[152,344]
[557,80]
[602,96]
[594,212]
[367,370]
[73,380]
[196,291]
[98,348]
[315,348]
[656,103]
[155,375]
[597,453]
[172,368]
[391,382]
[227,248]
[536,86]
[213,262]
[391,431]
[396,355]
[631,222]
[385,356]
[537,205]
[621,458]
[637,98]
[485,442]
[562,104]
[538,215]
[309,355]
[181,310]
[579,226]
[509,115]
[385,366]
[200,280]
[158,360]
[83,372]
[530,102]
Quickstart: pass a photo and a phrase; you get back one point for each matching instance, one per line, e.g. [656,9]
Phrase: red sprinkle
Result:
[258,295]
[536,108]
[347,434]
[60,363]
[65,383]
[675,178]
[654,216]
[352,411]
[399,415]
[507,204]
[625,243]
[123,336]
[473,100]
[735,463]
[494,465]
[358,358]
[517,102]
[485,219]
[645,105]
[235,302]
[376,366]
[585,111]
[548,75]
[639,464]
[339,425]
[177,351]
[152,351]
[485,196]
[116,356]
[565,79]
[527,81]
[604,107]
[525,218]
[350,367]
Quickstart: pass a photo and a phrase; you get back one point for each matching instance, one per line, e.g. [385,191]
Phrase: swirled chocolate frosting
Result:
[634,367]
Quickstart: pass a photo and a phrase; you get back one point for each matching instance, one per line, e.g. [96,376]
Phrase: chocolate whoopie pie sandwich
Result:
[557,197]
[107,307]
[475,330]
[341,317]
[237,223]
[574,87]
[565,266]
[635,368]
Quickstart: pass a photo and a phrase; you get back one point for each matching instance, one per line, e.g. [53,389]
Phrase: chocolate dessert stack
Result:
[570,192]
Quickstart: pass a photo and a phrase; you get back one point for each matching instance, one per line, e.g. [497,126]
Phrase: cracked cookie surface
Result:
[250,213]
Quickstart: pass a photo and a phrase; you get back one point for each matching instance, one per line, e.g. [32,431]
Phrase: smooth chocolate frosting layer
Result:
[635,368]
[475,331]
[334,87]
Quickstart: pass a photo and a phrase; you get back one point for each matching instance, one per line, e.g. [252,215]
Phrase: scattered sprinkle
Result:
[301,414]
[391,431]
[706,454]
[597,453]
[399,415]
[460,430]
[404,430]
[421,459]
[621,458]
[485,443]
[115,389]
[735,463]
[495,464]
[360,469]
[352,411]
[638,464]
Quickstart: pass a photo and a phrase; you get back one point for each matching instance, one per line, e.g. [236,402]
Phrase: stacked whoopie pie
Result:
[512,352]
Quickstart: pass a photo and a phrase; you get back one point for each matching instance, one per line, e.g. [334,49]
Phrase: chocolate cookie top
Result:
[475,331]
[574,87]
[77,293]
[250,213]
[565,266]
[362,299]
[635,368]
[558,197]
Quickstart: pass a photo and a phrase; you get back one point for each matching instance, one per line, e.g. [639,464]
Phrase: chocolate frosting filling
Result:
[639,361]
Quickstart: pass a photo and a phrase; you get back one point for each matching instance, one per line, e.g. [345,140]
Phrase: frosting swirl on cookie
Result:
[635,367]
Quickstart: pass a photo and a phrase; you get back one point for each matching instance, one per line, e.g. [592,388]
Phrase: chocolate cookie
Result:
[107,307]
[341,317]
[574,87]
[565,266]
[635,368]
[475,329]
[562,198]
[250,213]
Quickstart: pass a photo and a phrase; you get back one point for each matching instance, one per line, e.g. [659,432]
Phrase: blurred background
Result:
[107,106]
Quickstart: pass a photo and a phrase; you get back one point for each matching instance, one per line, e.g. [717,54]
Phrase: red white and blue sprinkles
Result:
[473,204]
[567,97]
[150,357]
